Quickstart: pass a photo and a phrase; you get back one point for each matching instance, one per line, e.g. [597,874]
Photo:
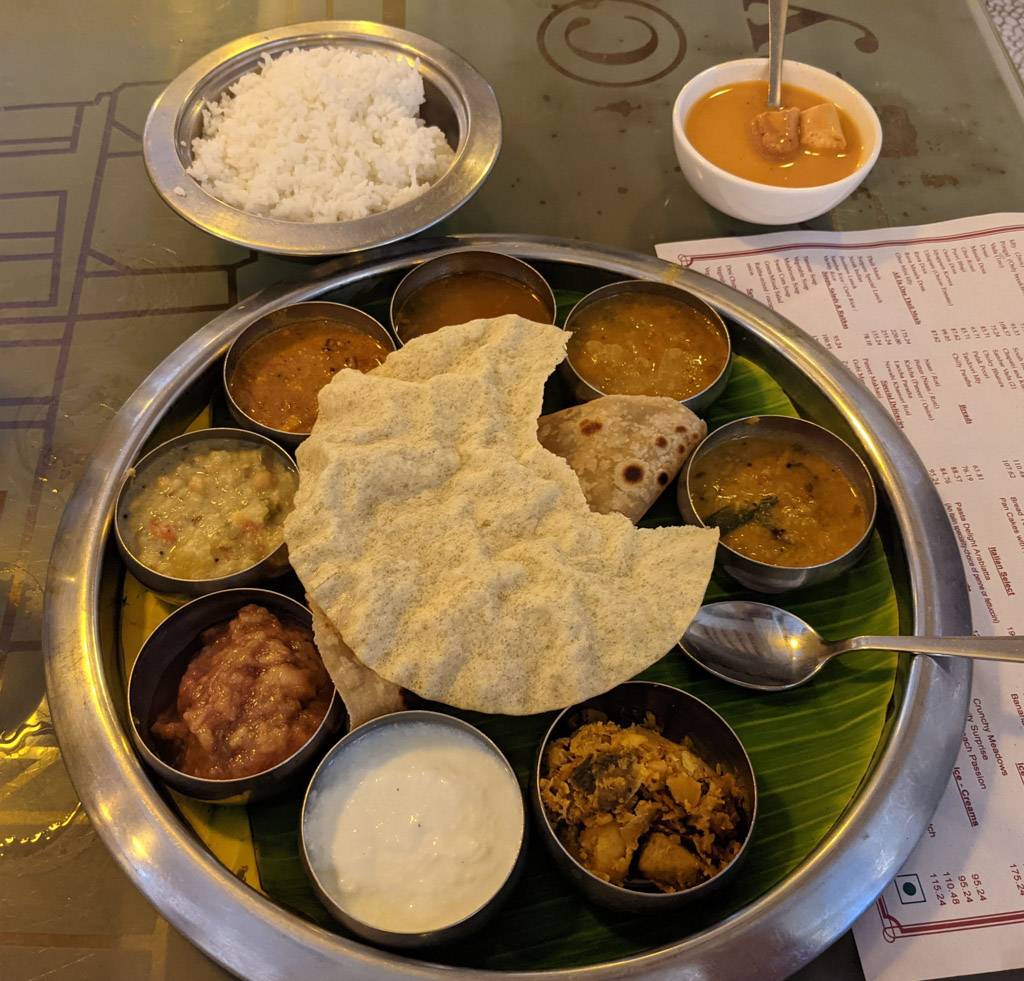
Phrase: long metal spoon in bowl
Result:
[777,13]
[755,645]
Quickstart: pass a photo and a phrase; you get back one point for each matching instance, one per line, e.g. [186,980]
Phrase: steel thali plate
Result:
[783,929]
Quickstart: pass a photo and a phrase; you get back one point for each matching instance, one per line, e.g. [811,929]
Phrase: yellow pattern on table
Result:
[224,829]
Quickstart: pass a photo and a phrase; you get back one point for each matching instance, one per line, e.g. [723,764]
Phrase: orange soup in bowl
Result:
[806,143]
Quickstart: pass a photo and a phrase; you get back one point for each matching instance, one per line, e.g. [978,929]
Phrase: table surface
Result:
[99,281]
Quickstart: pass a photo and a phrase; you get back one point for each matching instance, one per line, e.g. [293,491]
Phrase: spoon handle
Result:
[777,11]
[981,648]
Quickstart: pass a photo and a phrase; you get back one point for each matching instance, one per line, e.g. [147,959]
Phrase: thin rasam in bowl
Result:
[457,100]
[464,285]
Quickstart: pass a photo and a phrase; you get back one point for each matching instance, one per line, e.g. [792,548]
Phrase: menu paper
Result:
[931,319]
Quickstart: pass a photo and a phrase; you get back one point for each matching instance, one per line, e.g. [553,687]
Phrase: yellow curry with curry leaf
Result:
[775,501]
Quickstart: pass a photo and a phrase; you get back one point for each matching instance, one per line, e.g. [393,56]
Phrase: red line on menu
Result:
[965,798]
[895,929]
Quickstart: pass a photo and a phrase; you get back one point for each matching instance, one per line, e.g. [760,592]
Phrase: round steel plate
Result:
[458,100]
[783,929]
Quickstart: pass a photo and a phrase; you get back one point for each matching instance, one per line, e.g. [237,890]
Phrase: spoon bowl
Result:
[755,645]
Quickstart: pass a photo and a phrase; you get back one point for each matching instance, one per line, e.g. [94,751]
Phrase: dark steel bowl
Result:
[284,317]
[763,576]
[153,686]
[586,392]
[679,715]
[271,565]
[470,260]
[389,938]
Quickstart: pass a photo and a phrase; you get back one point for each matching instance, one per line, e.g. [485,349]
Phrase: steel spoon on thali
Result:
[759,646]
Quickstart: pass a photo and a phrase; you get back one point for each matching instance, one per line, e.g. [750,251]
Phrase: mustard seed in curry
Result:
[775,501]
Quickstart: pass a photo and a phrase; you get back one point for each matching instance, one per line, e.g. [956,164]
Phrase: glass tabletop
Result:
[99,281]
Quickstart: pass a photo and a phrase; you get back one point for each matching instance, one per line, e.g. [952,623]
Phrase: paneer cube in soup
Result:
[777,131]
[820,129]
[807,142]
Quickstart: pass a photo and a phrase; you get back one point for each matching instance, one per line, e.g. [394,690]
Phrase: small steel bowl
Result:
[274,564]
[679,715]
[458,100]
[389,938]
[470,260]
[153,686]
[342,314]
[762,576]
[586,392]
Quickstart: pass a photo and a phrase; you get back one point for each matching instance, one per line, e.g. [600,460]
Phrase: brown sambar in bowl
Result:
[278,378]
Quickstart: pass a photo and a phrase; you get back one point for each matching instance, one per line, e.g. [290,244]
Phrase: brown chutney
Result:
[775,501]
[278,378]
[253,695]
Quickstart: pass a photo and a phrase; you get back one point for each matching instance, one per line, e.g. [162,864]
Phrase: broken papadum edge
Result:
[458,557]
[365,694]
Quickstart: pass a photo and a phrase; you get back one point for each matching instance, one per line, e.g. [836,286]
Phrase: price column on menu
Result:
[968,870]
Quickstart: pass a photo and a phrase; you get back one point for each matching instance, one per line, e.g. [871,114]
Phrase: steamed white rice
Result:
[322,134]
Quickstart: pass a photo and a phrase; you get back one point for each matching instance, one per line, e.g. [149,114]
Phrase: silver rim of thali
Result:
[253,937]
[467,92]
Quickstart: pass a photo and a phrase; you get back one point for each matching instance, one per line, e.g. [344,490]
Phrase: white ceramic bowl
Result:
[762,203]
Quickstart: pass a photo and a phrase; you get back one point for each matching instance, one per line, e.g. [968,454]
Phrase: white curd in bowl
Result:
[413,826]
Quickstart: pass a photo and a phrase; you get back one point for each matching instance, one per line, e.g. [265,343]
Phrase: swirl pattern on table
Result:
[611,42]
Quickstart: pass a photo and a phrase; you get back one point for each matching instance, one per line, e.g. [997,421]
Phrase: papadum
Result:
[365,694]
[458,557]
